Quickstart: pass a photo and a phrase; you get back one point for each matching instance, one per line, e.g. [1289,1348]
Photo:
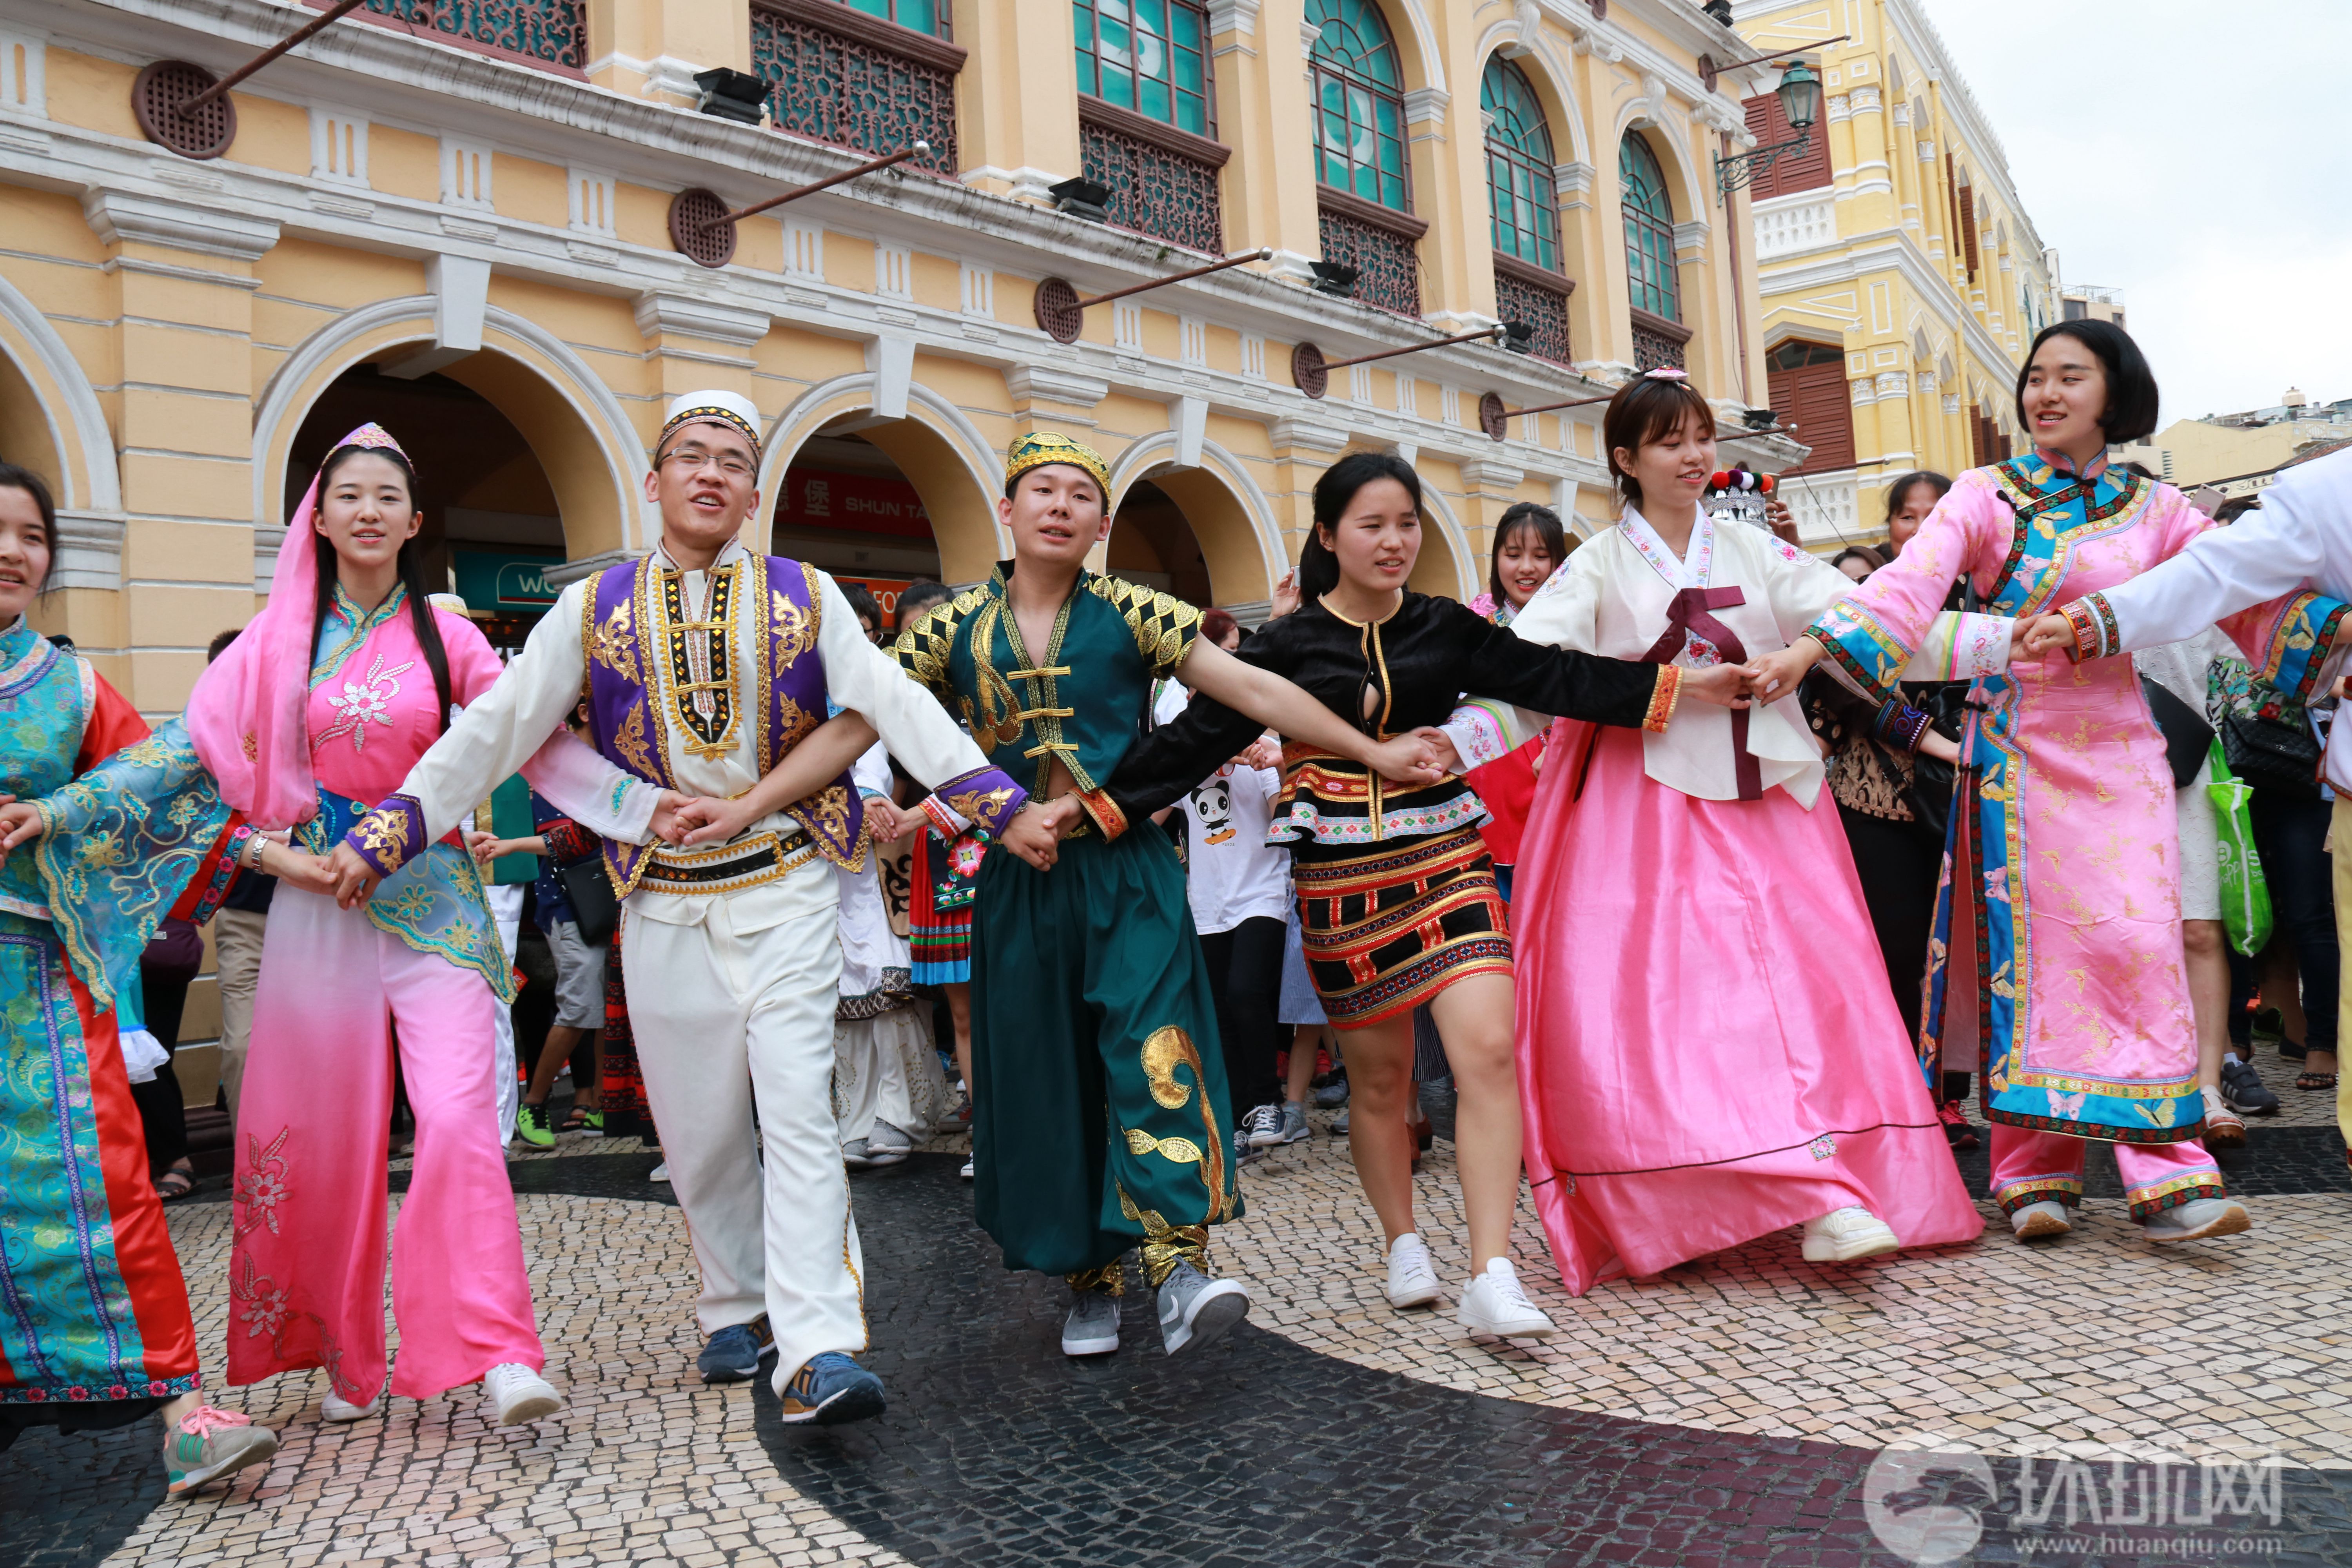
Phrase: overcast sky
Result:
[2199,157]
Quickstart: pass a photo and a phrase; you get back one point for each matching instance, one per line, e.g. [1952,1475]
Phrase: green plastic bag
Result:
[2245,896]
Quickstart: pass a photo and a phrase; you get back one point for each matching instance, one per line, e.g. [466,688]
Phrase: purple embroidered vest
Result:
[787,692]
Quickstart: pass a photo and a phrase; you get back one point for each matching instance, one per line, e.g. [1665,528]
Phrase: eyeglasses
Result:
[696,458]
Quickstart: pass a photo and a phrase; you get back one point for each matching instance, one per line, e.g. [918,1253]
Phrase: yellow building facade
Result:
[1901,279]
[465,224]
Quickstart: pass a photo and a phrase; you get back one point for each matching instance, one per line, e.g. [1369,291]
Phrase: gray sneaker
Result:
[1331,1094]
[1195,1309]
[856,1155]
[2197,1219]
[1262,1126]
[887,1139]
[1293,1125]
[1092,1326]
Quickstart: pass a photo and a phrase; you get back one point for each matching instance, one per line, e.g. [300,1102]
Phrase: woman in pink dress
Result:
[311,717]
[1701,1062]
[2056,947]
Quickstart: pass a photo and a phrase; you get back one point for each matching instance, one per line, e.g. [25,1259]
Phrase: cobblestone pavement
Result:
[1730,1412]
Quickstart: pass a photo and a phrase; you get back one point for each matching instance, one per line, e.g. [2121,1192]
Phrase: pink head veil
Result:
[247,713]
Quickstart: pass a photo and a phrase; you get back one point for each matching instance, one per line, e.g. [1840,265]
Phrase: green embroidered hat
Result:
[1040,447]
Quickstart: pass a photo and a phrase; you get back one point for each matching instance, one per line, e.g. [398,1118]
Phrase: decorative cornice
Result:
[1034,383]
[1426,103]
[119,218]
[1492,475]
[661,312]
[1233,17]
[1573,179]
[1305,435]
[89,550]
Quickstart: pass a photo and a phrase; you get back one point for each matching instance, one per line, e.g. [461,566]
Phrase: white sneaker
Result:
[660,1173]
[335,1408]
[1412,1281]
[1847,1234]
[966,1172]
[520,1393]
[1493,1304]
[2197,1219]
[2047,1218]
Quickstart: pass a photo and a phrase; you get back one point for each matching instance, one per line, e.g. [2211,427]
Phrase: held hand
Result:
[665,825]
[482,847]
[1777,673]
[19,821]
[1034,836]
[1266,752]
[352,879]
[1405,758]
[1781,521]
[1934,744]
[2041,635]
[884,824]
[1724,685]
[303,869]
[1438,746]
[706,820]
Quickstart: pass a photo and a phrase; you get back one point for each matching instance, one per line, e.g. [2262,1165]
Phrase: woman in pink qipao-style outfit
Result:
[311,717]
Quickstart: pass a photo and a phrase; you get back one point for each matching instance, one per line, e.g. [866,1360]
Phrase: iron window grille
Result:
[844,74]
[537,32]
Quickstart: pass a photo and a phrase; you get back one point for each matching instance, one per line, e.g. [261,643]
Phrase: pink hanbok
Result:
[312,739]
[2056,956]
[1708,1051]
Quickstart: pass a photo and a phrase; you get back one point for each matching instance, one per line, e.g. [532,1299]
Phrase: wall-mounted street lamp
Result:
[1800,104]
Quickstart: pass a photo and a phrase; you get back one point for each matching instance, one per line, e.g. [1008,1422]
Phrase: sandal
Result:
[2316,1081]
[175,1184]
[576,1121]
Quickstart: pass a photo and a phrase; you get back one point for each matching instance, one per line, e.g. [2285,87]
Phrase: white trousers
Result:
[732,998]
[506,908]
[869,1072]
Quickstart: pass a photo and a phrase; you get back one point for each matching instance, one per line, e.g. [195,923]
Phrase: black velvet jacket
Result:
[1413,668]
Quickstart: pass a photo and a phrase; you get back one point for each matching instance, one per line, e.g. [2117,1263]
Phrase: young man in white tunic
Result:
[697,663]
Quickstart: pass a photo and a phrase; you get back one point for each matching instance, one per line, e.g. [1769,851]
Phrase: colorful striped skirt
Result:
[938,912]
[1386,928]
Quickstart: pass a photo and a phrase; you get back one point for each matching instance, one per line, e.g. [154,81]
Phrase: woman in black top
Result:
[1396,893]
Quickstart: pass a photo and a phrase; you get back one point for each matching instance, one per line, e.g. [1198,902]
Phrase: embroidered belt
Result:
[726,868]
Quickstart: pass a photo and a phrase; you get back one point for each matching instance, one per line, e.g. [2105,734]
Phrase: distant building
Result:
[2238,453]
[2089,302]
[1901,277]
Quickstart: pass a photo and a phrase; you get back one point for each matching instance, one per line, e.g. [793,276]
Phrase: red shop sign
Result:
[851,504]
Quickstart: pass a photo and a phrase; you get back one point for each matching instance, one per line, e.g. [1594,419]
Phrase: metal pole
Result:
[1780,53]
[740,214]
[1490,334]
[1245,257]
[343,8]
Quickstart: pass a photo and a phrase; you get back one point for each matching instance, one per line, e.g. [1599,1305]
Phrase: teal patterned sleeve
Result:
[121,845]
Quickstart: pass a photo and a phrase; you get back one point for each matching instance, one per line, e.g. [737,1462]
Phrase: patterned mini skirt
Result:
[1387,928]
[939,908]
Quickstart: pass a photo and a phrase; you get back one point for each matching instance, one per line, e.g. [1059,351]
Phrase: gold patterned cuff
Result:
[1105,812]
[1663,697]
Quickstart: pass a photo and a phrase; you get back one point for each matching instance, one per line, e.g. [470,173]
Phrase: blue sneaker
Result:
[832,1389]
[734,1351]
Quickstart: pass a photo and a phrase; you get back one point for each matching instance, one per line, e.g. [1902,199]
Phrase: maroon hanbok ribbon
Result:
[1687,614]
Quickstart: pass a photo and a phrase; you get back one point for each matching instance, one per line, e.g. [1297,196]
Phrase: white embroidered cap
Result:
[731,409]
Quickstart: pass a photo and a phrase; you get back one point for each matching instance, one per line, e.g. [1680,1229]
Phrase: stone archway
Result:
[574,428]
[933,449]
[1220,510]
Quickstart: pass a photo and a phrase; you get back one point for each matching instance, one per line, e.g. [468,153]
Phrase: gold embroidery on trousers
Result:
[1165,1246]
[1168,1048]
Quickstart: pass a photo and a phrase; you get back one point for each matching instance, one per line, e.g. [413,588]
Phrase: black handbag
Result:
[590,893]
[2188,739]
[2272,755]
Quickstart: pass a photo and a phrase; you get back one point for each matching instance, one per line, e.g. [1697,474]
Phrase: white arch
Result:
[1465,570]
[973,448]
[83,426]
[1672,158]
[577,383]
[1424,39]
[1556,77]
[1145,454]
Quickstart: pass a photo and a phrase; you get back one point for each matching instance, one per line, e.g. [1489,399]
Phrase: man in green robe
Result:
[1099,1116]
